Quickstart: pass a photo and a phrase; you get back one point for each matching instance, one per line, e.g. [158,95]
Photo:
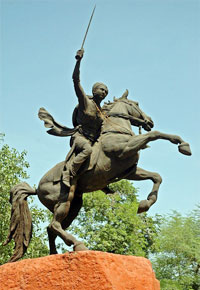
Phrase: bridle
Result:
[135,120]
[127,116]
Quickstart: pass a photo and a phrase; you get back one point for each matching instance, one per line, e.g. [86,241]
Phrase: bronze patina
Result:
[104,149]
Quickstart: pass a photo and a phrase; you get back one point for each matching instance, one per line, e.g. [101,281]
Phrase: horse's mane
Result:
[107,107]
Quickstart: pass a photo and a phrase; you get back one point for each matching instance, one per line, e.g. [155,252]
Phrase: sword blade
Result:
[88,28]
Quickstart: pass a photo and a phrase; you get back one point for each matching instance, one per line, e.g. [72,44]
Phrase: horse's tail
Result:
[21,220]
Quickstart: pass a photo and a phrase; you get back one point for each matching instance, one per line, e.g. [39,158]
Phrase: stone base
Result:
[88,270]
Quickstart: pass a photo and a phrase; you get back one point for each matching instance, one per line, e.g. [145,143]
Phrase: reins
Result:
[119,115]
[113,124]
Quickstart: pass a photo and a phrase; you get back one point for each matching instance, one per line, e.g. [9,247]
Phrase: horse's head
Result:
[137,116]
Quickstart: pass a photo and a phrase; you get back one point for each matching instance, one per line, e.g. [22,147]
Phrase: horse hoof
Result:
[184,148]
[53,252]
[80,247]
[143,206]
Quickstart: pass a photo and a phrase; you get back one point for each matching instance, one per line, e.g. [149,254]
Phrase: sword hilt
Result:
[79,54]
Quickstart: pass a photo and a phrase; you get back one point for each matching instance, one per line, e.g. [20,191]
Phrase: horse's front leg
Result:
[141,174]
[139,142]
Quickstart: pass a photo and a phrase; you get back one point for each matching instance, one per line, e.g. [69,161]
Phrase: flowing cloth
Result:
[56,128]
[63,131]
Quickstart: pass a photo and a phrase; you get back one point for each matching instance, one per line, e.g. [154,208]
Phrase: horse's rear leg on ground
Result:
[52,237]
[61,210]
[75,207]
[141,174]
[74,210]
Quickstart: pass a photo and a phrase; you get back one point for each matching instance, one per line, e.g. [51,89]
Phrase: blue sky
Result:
[150,47]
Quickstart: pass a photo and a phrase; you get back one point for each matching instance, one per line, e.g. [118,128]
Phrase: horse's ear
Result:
[125,95]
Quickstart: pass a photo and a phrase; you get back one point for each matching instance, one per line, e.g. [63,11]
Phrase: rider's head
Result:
[99,91]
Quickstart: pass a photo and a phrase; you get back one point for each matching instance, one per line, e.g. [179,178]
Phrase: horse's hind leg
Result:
[61,210]
[52,237]
[74,210]
[141,174]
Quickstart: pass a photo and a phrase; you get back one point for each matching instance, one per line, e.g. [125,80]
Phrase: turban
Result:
[96,85]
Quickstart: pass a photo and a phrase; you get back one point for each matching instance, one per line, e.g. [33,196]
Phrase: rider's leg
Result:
[83,148]
[141,174]
[136,143]
[81,157]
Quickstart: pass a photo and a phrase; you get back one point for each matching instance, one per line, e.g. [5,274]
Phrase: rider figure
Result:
[88,115]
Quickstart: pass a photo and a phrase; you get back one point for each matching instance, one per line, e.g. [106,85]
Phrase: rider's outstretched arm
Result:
[76,79]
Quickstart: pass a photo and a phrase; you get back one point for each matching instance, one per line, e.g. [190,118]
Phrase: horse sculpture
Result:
[115,156]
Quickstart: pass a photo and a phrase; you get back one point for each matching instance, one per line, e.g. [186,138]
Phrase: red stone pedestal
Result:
[88,270]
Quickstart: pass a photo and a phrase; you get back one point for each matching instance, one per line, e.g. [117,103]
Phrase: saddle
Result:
[89,164]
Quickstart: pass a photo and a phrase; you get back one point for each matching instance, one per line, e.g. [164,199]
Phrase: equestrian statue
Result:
[104,149]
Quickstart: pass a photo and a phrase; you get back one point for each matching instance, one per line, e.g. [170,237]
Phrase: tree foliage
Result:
[110,222]
[178,251]
[12,169]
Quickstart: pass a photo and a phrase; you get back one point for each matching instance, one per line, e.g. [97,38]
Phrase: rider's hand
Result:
[79,54]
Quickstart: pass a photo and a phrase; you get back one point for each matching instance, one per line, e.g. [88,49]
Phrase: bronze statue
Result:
[104,150]
[114,156]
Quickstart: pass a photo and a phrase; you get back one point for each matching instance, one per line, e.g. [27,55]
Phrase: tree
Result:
[110,222]
[177,261]
[13,168]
